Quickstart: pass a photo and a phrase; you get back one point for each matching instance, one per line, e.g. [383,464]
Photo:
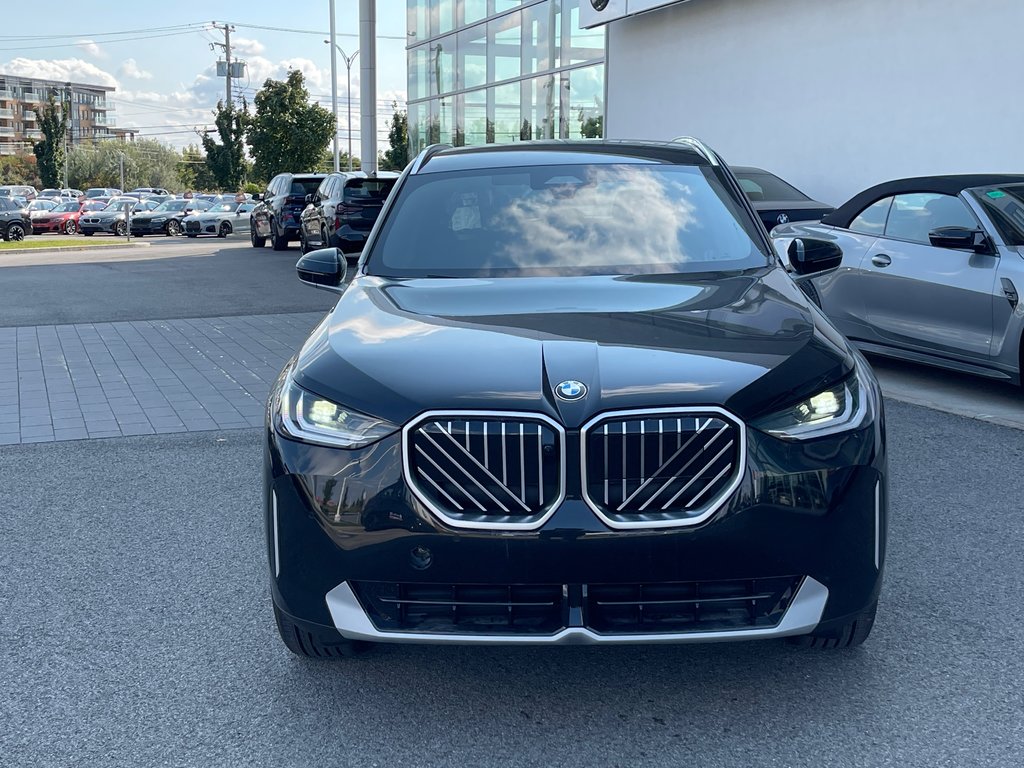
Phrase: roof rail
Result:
[699,147]
[426,154]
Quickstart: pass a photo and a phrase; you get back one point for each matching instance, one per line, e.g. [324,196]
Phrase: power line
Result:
[311,31]
[105,42]
[80,35]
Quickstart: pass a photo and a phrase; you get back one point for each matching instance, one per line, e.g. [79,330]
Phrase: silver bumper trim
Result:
[801,617]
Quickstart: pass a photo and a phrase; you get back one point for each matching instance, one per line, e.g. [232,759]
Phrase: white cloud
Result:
[130,68]
[62,70]
[90,47]
[242,46]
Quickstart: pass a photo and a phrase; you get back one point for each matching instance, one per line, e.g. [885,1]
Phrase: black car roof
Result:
[555,152]
[945,185]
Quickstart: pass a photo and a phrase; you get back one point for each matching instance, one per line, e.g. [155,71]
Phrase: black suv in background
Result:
[342,211]
[277,215]
[14,220]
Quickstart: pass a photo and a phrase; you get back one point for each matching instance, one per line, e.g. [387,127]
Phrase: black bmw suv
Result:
[343,210]
[572,396]
[276,215]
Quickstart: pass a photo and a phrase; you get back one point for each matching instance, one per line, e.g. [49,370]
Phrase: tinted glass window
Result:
[1005,206]
[304,186]
[871,221]
[913,216]
[368,190]
[765,186]
[566,220]
[5,204]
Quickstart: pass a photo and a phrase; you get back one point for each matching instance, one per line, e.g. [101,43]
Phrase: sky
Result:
[158,56]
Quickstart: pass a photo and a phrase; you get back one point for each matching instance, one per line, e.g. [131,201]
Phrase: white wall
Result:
[833,95]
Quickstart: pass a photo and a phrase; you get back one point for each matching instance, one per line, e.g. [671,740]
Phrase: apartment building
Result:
[21,104]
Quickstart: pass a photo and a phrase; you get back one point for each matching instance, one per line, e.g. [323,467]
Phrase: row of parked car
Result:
[146,211]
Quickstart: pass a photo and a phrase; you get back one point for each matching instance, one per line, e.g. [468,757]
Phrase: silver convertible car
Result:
[221,219]
[932,271]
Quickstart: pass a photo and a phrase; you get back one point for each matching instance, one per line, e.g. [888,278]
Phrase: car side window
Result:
[871,221]
[913,216]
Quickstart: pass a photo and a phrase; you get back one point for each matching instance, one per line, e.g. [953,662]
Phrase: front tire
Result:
[70,227]
[224,229]
[173,228]
[846,636]
[314,645]
[15,232]
[120,229]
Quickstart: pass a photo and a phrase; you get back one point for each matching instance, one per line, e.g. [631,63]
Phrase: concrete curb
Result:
[60,248]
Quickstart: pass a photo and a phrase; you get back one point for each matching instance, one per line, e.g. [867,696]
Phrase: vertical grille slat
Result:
[700,457]
[453,467]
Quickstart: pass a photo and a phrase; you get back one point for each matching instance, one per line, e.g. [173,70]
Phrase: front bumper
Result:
[337,521]
[102,226]
[149,228]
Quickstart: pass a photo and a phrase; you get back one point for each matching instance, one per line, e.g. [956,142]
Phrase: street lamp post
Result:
[348,71]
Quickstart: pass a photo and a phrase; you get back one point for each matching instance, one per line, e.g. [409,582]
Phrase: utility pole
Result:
[227,29]
[334,91]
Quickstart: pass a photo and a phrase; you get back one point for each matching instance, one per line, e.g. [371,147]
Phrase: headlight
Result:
[833,410]
[158,220]
[315,419]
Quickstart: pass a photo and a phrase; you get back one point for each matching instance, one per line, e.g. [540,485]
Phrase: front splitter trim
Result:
[802,616]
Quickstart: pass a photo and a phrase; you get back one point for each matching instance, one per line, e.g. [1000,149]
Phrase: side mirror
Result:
[960,237]
[257,197]
[323,268]
[812,257]
[309,199]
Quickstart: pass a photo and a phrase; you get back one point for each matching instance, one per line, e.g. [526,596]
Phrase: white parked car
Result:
[221,220]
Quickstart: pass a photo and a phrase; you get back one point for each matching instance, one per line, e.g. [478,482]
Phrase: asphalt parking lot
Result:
[138,631]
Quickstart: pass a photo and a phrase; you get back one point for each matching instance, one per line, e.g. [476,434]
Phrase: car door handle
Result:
[881,260]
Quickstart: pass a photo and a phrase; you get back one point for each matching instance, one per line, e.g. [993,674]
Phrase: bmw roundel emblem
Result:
[571,390]
[783,219]
[599,5]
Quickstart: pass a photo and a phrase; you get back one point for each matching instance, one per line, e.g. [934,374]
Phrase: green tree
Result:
[20,169]
[226,159]
[147,163]
[286,131]
[396,156]
[49,150]
[591,127]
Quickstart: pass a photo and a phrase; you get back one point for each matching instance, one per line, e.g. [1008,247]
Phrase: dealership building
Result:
[833,96]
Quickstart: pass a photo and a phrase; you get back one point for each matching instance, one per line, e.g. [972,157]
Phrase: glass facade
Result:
[497,71]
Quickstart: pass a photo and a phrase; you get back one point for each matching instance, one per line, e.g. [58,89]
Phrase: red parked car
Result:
[63,218]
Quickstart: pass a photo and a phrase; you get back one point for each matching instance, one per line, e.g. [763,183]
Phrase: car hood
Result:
[151,215]
[105,215]
[394,349]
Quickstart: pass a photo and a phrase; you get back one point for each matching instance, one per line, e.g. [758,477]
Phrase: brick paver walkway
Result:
[69,382]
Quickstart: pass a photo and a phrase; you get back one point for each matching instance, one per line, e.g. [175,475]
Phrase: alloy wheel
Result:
[173,228]
[16,232]
[69,227]
[120,228]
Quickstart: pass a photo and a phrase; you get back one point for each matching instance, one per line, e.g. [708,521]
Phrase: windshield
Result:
[1005,206]
[66,208]
[305,186]
[765,186]
[566,220]
[95,192]
[172,205]
[223,208]
[119,205]
[41,205]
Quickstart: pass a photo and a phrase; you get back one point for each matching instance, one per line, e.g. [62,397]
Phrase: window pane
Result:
[585,118]
[416,18]
[871,221]
[541,106]
[913,216]
[505,47]
[417,127]
[419,72]
[475,118]
[506,113]
[539,38]
[473,57]
[473,10]
[584,44]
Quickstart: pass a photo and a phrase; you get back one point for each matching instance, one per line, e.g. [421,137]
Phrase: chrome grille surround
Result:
[726,446]
[463,468]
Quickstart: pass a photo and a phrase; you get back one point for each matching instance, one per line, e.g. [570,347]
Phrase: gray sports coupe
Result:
[220,219]
[932,271]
